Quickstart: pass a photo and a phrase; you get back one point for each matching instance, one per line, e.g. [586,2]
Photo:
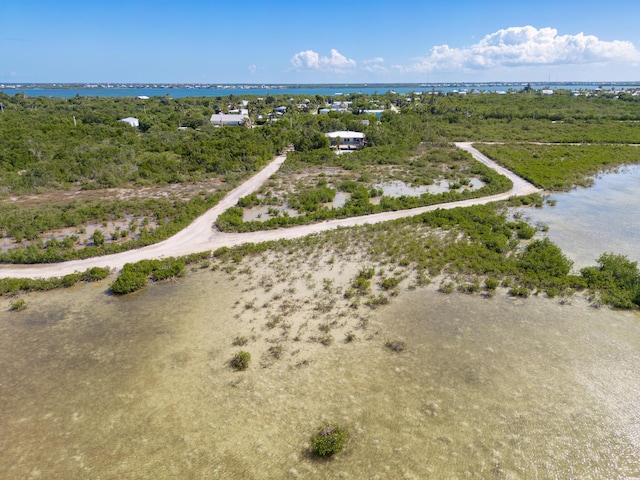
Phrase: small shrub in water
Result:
[329,439]
[396,345]
[469,287]
[448,287]
[349,337]
[240,360]
[519,292]
[491,283]
[276,351]
[240,341]
[18,304]
[389,283]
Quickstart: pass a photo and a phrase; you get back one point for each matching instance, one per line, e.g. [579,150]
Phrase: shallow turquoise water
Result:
[93,386]
[587,222]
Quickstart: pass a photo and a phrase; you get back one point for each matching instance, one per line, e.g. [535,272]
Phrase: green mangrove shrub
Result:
[11,286]
[135,276]
[18,304]
[329,439]
[617,278]
[240,360]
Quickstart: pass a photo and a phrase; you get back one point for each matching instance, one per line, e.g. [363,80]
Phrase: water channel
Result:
[605,217]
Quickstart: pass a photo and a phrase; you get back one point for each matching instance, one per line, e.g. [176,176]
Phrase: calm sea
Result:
[326,90]
[603,218]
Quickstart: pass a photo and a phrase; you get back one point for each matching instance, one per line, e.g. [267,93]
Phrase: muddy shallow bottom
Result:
[94,386]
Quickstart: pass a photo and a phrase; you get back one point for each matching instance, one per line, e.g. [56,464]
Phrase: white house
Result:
[346,140]
[131,121]
[224,119]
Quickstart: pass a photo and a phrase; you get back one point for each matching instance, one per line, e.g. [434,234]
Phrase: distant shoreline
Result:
[62,85]
[105,89]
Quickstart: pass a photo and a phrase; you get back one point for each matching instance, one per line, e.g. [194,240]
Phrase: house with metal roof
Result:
[346,140]
[229,119]
[134,122]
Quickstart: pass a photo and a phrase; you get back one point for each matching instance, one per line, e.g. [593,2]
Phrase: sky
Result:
[290,42]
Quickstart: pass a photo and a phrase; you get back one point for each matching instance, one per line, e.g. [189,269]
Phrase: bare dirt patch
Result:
[184,191]
[114,230]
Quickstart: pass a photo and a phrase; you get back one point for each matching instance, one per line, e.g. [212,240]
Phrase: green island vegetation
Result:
[465,245]
[64,158]
[616,278]
[70,167]
[168,215]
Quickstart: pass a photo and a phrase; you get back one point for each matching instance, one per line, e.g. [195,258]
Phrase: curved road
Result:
[200,236]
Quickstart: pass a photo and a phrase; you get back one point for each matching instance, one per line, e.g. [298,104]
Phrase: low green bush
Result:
[129,281]
[240,360]
[518,291]
[329,439]
[389,283]
[491,283]
[18,304]
[617,278]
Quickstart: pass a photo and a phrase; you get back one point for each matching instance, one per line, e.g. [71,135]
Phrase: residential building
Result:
[134,122]
[229,119]
[346,140]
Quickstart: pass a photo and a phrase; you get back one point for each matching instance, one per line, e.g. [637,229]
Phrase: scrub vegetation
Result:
[240,360]
[329,439]
[561,167]
[463,246]
[358,174]
[78,145]
[69,167]
[135,276]
[466,247]
[13,286]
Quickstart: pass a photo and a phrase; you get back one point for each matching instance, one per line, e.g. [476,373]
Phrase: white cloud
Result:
[310,60]
[526,46]
[373,60]
[252,69]
[375,69]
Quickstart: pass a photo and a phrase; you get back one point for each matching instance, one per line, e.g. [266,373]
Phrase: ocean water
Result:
[96,386]
[333,90]
[603,218]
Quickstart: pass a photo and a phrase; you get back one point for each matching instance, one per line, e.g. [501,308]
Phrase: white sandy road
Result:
[201,235]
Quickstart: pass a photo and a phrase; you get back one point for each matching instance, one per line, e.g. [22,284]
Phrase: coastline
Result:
[485,386]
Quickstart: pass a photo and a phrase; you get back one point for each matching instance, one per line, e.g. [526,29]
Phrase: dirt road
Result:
[201,235]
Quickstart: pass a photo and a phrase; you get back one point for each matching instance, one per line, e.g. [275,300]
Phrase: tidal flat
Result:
[98,386]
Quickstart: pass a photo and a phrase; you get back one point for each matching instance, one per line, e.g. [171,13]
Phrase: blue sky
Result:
[140,41]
